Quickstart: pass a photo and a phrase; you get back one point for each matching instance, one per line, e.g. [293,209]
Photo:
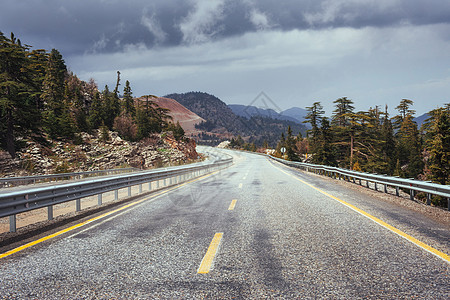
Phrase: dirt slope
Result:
[181,114]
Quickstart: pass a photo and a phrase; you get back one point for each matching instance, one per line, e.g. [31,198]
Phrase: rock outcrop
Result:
[93,154]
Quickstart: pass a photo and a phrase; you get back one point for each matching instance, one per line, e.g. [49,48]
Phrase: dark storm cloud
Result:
[108,26]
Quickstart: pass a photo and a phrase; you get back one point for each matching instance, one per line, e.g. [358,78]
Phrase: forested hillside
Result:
[41,99]
[256,130]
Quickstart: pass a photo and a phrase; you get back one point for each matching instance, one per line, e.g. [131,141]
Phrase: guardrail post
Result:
[359,181]
[411,194]
[385,188]
[150,186]
[50,212]
[428,199]
[12,223]
[78,204]
[448,204]
[376,187]
[367,183]
[157,184]
[164,182]
[116,195]
[99,199]
[129,191]
[397,192]
[140,188]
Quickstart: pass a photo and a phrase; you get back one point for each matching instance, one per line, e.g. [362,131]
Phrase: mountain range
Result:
[224,121]
[294,114]
[210,120]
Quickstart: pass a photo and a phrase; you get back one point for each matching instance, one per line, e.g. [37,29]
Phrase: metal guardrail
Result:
[12,203]
[23,180]
[412,185]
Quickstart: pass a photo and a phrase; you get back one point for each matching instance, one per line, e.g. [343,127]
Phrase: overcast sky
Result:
[375,52]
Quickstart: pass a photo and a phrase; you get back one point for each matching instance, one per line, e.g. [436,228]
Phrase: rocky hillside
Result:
[181,114]
[95,154]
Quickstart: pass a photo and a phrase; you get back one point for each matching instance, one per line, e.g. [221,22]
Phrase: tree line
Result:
[372,141]
[39,96]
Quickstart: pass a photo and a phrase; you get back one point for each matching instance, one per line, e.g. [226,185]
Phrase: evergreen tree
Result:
[111,106]
[404,111]
[56,116]
[75,98]
[38,63]
[18,112]
[369,143]
[177,130]
[150,118]
[388,143]
[313,117]
[325,152]
[410,147]
[438,143]
[128,102]
[291,147]
[345,122]
[344,107]
[96,112]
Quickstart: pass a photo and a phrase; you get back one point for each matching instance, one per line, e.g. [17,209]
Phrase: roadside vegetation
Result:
[41,99]
[370,141]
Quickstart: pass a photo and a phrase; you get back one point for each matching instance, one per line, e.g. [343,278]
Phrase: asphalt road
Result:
[282,238]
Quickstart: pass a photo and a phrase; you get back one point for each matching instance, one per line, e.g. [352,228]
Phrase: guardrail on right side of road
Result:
[412,185]
[14,202]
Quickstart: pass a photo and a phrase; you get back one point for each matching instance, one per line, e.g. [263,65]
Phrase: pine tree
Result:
[111,106]
[150,118]
[56,117]
[325,152]
[438,143]
[410,147]
[18,111]
[344,123]
[388,143]
[77,102]
[404,111]
[369,142]
[177,130]
[313,117]
[291,146]
[344,107]
[96,112]
[38,63]
[128,102]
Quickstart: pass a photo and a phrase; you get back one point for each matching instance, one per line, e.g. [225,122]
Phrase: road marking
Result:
[245,177]
[240,185]
[232,205]
[208,259]
[45,238]
[413,240]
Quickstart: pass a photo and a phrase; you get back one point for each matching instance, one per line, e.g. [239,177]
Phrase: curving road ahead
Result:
[255,230]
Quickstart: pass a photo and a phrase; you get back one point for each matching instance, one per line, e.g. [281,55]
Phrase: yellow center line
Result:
[43,239]
[207,261]
[232,205]
[413,240]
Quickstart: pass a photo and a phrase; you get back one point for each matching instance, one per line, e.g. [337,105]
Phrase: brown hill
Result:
[181,114]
